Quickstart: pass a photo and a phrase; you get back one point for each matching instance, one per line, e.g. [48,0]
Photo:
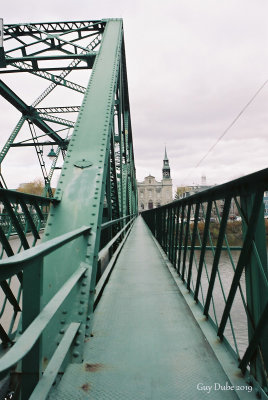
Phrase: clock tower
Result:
[153,194]
[166,167]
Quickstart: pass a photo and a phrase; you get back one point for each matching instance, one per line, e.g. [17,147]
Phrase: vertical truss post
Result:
[31,306]
[256,289]
[182,211]
[186,240]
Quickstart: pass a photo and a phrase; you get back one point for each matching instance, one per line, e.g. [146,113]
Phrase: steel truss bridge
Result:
[110,304]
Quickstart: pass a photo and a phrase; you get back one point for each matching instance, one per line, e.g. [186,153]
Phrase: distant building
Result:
[151,193]
[186,191]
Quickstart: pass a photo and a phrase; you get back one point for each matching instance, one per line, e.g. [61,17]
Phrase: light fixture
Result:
[52,153]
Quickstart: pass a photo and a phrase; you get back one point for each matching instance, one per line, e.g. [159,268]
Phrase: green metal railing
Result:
[223,263]
[35,318]
[20,224]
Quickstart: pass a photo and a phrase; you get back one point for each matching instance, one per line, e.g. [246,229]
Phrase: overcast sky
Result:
[192,67]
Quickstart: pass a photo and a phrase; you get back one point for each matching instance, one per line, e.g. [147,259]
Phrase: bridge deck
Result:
[146,343]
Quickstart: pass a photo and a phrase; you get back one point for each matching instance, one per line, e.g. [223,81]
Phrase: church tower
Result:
[166,167]
[153,194]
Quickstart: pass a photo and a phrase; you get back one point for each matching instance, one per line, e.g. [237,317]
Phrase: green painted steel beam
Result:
[94,43]
[60,40]
[88,57]
[24,47]
[27,340]
[55,27]
[83,180]
[16,197]
[43,387]
[28,111]
[38,70]
[56,120]
[16,263]
[52,110]
[217,255]
[24,67]
[11,138]
[32,144]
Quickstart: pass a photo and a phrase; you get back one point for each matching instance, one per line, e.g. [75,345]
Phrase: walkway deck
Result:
[146,343]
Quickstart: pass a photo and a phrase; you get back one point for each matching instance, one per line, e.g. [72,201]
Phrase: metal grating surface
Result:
[146,343]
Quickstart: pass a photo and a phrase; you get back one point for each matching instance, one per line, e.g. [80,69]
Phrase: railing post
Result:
[256,290]
[31,306]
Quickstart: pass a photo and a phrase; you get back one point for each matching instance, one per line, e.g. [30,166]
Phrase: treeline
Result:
[233,232]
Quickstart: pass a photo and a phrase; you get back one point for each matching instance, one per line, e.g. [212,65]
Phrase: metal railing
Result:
[36,318]
[216,241]
[23,217]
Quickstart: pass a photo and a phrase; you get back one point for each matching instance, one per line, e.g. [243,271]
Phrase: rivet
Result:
[76,354]
[80,312]
[77,343]
[62,331]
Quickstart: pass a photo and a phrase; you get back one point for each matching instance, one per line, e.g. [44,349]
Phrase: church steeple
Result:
[166,167]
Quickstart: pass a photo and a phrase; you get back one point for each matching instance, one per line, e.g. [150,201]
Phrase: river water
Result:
[223,284]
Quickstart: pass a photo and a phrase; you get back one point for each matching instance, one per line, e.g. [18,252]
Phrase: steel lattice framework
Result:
[95,200]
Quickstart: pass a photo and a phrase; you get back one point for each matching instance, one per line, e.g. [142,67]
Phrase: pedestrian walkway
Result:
[146,344]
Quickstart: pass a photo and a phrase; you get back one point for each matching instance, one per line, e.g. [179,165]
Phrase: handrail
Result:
[103,251]
[115,221]
[23,213]
[238,186]
[16,263]
[14,195]
[108,270]
[27,340]
[43,387]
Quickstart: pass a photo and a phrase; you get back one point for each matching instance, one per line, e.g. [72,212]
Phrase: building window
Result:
[150,205]
[150,181]
[142,206]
